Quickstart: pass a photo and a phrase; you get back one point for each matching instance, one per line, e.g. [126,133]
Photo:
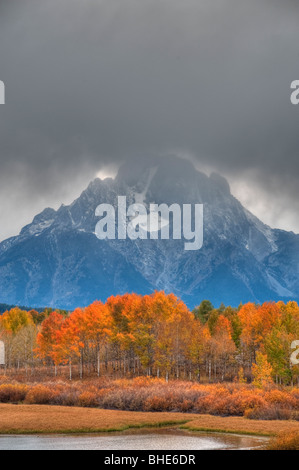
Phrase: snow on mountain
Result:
[58,261]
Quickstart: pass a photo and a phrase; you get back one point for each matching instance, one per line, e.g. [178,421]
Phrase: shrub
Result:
[88,400]
[185,406]
[281,398]
[12,393]
[145,394]
[66,398]
[157,403]
[268,413]
[285,441]
[40,395]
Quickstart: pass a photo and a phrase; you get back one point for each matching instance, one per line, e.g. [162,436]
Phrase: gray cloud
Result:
[92,83]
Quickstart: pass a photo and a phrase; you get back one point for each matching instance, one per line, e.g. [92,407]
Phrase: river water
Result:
[154,440]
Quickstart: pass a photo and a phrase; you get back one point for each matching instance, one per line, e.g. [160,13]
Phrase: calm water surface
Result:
[154,440]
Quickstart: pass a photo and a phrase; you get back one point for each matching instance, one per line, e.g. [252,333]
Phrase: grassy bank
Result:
[45,419]
[35,419]
[240,425]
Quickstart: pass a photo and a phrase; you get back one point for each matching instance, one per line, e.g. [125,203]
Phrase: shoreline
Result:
[48,420]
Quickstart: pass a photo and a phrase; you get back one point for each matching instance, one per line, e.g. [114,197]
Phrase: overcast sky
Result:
[90,83]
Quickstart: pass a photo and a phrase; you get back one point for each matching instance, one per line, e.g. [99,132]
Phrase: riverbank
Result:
[45,419]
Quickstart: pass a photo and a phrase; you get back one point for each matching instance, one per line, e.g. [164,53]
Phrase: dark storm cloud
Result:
[94,82]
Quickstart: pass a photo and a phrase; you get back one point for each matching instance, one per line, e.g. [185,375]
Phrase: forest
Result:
[155,336]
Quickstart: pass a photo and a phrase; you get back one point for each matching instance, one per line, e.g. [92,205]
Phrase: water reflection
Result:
[146,440]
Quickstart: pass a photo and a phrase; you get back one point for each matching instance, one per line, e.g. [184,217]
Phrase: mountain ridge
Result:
[58,261]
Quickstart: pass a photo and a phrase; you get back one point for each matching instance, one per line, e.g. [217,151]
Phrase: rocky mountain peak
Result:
[58,261]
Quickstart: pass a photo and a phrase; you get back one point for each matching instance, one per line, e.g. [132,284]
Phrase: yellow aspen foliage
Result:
[262,371]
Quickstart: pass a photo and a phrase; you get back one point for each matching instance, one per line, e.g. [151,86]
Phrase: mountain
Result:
[58,261]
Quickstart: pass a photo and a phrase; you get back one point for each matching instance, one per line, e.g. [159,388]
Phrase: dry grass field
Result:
[27,419]
[32,419]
